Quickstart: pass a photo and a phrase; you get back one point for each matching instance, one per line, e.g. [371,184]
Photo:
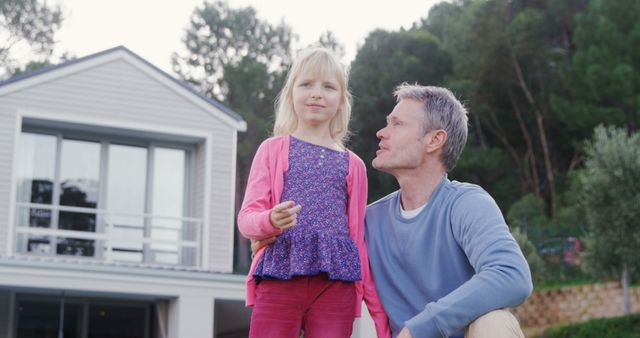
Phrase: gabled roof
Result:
[48,73]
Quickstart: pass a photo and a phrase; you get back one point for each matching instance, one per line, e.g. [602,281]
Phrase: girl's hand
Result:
[257,245]
[283,215]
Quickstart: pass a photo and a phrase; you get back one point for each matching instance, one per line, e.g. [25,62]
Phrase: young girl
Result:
[307,189]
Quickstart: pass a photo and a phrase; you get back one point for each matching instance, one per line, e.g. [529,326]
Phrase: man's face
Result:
[403,141]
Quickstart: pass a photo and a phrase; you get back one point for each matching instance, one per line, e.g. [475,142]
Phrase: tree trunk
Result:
[494,127]
[625,288]
[481,138]
[541,132]
[632,126]
[532,165]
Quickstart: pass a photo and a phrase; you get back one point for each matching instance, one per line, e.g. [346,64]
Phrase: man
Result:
[440,251]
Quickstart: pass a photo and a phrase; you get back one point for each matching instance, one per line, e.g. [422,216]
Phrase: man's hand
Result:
[405,333]
[257,245]
[283,215]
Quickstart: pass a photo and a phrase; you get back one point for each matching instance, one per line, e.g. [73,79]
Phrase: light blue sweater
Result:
[453,262]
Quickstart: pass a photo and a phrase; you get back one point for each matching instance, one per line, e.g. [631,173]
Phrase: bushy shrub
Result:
[626,326]
[536,264]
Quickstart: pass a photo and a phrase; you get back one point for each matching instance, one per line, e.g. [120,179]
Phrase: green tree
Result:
[235,57]
[536,264]
[527,212]
[602,76]
[330,41]
[611,196]
[503,54]
[384,61]
[26,25]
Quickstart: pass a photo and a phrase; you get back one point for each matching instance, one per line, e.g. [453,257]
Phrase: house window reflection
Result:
[99,186]
[36,174]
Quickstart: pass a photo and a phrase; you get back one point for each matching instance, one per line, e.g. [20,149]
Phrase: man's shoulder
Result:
[471,200]
[382,203]
[464,190]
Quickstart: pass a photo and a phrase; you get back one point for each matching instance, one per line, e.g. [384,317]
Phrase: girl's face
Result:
[316,98]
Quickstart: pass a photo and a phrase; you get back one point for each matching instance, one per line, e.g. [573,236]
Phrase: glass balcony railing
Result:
[148,239]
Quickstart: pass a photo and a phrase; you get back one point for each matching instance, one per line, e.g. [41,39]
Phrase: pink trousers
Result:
[315,305]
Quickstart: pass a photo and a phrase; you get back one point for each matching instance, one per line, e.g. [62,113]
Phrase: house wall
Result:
[7,136]
[124,93]
[222,192]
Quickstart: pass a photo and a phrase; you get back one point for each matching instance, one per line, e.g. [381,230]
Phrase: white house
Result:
[117,198]
[116,204]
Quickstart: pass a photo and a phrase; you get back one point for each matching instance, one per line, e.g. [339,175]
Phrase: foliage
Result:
[490,168]
[528,211]
[570,217]
[504,55]
[536,264]
[602,78]
[553,238]
[330,41]
[611,195]
[386,60]
[220,37]
[551,281]
[26,25]
[235,57]
[626,326]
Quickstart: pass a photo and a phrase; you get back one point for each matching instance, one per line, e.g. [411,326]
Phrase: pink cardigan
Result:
[264,188]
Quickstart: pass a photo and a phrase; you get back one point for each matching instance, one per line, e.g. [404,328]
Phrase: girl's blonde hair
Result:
[316,61]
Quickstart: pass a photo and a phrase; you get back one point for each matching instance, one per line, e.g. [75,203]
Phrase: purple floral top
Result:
[319,242]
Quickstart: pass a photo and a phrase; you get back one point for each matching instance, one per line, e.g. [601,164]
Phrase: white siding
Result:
[199,172]
[120,92]
[222,192]
[7,135]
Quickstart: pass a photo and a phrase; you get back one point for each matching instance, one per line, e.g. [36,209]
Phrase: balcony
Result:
[104,236]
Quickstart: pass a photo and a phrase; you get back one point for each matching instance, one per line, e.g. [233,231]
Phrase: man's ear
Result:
[436,139]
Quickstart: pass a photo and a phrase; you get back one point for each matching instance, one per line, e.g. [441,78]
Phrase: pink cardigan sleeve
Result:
[254,216]
[357,185]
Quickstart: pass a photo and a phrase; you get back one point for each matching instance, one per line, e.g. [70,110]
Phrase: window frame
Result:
[150,141]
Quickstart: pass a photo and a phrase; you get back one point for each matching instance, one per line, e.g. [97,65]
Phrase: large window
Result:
[39,317]
[102,197]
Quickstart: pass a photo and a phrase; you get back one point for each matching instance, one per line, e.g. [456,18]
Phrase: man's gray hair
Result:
[442,111]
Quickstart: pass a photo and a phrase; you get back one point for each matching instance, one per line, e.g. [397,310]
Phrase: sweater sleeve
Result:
[358,201]
[254,217]
[372,300]
[502,277]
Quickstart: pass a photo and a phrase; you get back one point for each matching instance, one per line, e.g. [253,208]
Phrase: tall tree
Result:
[237,58]
[603,74]
[611,195]
[503,54]
[384,61]
[330,41]
[26,25]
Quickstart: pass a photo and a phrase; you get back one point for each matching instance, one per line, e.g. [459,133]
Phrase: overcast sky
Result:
[153,28]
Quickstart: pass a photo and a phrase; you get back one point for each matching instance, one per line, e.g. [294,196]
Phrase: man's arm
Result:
[502,277]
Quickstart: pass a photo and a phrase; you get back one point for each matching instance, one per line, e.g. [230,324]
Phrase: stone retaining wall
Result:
[573,304]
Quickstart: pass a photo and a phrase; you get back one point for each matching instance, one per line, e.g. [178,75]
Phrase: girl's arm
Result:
[372,300]
[254,217]
[358,201]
